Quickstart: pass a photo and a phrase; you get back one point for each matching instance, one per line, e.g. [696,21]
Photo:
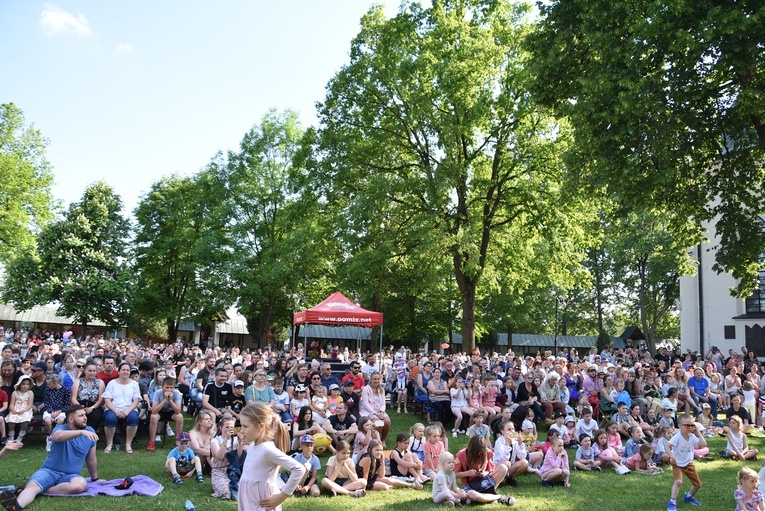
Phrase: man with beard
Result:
[74,443]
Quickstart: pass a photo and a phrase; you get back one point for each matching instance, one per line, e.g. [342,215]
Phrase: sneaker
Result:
[359,493]
[157,438]
[690,499]
[512,482]
[448,503]
[185,408]
[454,435]
[596,469]
[546,483]
[671,505]
[48,442]
[169,430]
[151,447]
[506,500]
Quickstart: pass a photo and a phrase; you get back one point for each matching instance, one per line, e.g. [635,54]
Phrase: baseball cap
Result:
[558,414]
[238,383]
[183,437]
[306,439]
[706,405]
[42,366]
[300,387]
[348,383]
[334,386]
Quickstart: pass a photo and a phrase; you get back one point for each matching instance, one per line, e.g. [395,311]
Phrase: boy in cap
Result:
[351,399]
[312,464]
[182,461]
[236,401]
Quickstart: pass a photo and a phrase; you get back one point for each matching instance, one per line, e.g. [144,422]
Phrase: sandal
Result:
[417,485]
[177,479]
[128,449]
[107,449]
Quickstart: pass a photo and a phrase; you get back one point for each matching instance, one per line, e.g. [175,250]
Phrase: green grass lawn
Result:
[589,491]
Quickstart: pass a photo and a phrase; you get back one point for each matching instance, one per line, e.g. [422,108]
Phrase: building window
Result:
[756,302]
[730,331]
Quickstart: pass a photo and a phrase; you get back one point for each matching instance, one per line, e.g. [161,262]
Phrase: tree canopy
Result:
[25,180]
[431,119]
[667,99]
[80,262]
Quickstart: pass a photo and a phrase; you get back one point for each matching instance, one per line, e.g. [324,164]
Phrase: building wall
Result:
[718,307]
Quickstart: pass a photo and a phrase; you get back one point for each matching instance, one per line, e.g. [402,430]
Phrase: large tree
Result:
[79,263]
[432,115]
[278,247]
[667,99]
[176,251]
[25,180]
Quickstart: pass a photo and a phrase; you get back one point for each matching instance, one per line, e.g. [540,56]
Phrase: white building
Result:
[710,315]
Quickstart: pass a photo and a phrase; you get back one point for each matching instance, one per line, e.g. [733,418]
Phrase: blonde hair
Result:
[744,474]
[737,420]
[445,458]
[261,413]
[413,428]
[198,421]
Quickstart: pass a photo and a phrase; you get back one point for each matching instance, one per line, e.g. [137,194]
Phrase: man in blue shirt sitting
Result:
[699,388]
[74,443]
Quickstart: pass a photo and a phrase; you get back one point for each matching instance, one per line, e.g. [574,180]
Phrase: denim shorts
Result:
[47,479]
[110,419]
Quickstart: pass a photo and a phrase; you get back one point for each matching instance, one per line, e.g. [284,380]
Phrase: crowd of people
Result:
[628,409]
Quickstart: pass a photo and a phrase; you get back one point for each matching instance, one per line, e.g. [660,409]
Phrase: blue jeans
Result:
[712,404]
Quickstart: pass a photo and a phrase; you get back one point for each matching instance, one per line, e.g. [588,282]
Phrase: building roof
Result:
[39,314]
[335,332]
[232,326]
[548,341]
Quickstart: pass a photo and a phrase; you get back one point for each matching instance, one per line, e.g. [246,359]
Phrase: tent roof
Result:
[338,310]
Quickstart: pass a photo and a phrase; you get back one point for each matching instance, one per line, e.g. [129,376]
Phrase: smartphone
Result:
[235,431]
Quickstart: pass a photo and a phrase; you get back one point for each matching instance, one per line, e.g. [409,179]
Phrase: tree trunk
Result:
[84,325]
[172,330]
[467,292]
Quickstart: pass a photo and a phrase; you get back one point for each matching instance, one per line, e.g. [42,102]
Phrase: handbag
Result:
[483,484]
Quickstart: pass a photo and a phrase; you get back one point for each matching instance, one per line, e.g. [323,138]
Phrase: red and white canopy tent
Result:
[337,310]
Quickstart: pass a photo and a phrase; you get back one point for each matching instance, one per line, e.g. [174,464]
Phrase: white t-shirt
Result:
[682,449]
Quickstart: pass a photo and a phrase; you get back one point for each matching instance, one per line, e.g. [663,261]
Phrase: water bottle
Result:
[189,506]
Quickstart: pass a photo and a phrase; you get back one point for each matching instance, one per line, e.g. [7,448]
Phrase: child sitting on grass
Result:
[306,457]
[433,449]
[642,461]
[586,455]
[478,427]
[554,470]
[219,461]
[445,488]
[182,462]
[341,473]
[738,446]
[748,496]
[404,463]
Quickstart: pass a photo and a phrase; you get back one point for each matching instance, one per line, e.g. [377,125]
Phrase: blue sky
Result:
[128,92]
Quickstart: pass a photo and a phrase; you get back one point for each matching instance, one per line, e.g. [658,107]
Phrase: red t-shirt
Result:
[461,465]
[108,377]
[3,398]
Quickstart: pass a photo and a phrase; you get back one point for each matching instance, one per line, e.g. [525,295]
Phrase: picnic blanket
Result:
[142,485]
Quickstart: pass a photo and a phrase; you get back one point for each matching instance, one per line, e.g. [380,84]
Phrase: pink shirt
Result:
[553,460]
[432,453]
[635,461]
